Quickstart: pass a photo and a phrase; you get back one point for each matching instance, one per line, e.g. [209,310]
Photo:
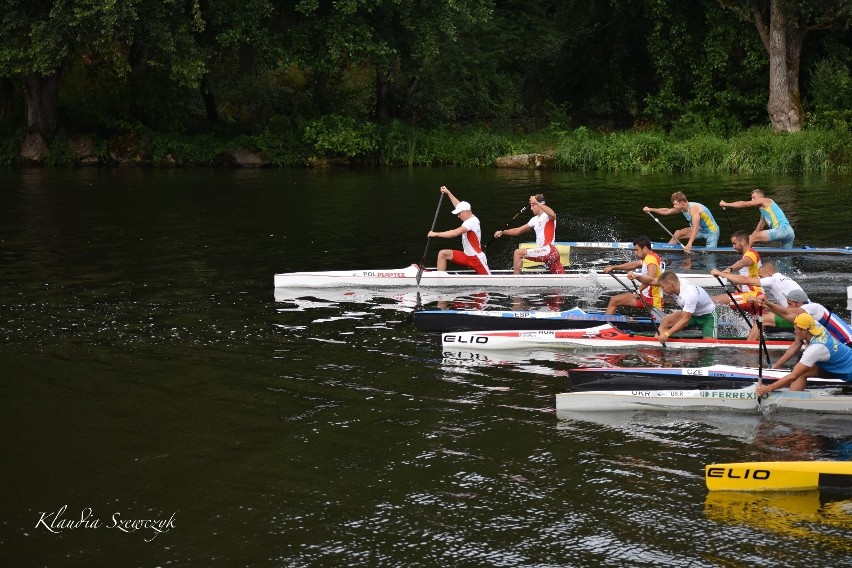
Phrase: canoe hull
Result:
[672,378]
[600,336]
[566,246]
[471,320]
[821,400]
[407,277]
[778,475]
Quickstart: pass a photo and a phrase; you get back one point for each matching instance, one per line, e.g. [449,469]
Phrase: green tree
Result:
[392,40]
[783,26]
[39,39]
[589,62]
[706,68]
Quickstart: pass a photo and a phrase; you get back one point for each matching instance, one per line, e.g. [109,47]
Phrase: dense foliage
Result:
[659,85]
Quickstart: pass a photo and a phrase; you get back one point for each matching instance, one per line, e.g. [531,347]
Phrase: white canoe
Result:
[821,400]
[606,335]
[407,277]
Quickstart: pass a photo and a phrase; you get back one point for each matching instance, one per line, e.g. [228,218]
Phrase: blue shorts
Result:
[783,234]
[712,237]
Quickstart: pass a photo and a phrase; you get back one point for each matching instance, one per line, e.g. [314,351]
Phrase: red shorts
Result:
[549,255]
[746,301]
[459,257]
[649,302]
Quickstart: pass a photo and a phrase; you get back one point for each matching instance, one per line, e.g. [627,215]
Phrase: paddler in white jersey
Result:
[472,256]
[544,225]
[777,285]
[697,308]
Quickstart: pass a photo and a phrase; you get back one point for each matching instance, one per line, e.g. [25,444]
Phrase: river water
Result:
[151,378]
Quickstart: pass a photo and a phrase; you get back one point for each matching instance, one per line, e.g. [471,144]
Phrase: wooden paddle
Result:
[506,226]
[423,258]
[666,230]
[762,343]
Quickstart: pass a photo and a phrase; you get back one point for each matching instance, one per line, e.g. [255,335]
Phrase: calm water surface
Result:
[150,372]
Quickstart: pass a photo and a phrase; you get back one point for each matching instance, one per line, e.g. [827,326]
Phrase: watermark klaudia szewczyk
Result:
[59,521]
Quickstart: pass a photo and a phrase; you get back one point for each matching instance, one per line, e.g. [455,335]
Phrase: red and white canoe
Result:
[601,336]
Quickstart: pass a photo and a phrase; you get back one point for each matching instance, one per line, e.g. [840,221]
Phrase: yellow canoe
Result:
[778,475]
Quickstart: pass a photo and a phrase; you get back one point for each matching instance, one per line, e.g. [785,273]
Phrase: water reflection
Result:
[403,299]
[558,361]
[821,519]
[772,436]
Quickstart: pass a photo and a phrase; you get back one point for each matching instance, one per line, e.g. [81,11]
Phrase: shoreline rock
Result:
[527,162]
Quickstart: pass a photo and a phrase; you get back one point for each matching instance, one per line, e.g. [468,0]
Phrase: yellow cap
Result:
[806,321]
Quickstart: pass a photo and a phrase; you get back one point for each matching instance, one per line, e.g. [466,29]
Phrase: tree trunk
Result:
[41,93]
[7,108]
[784,42]
[405,107]
[782,36]
[209,101]
[382,96]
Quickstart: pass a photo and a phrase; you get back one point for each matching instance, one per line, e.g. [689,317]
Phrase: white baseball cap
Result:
[462,206]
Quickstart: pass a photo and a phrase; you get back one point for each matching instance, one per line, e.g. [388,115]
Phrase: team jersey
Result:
[836,326]
[652,293]
[773,216]
[545,229]
[694,299]
[750,271]
[830,354]
[778,286]
[706,224]
[472,239]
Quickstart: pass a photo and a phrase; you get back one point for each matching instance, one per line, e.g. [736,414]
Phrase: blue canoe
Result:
[667,247]
[473,320]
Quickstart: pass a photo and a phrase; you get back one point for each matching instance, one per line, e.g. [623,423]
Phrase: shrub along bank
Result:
[338,141]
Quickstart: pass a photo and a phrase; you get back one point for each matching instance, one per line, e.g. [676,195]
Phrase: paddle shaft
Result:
[748,321]
[731,225]
[759,319]
[426,250]
[666,230]
[636,290]
[648,309]
[506,226]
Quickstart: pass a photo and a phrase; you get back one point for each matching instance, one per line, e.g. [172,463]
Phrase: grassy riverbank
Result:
[337,141]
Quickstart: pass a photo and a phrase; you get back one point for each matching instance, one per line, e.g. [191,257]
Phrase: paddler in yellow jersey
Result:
[651,265]
[824,356]
[777,227]
[748,266]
